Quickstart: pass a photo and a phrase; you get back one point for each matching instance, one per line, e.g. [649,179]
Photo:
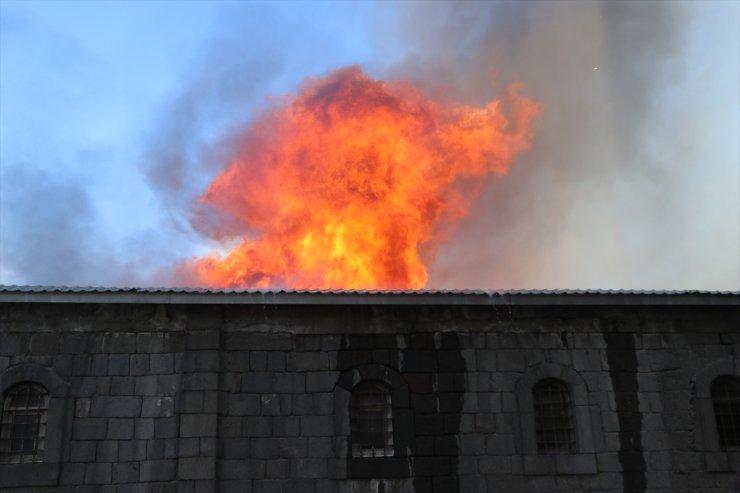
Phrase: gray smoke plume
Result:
[618,191]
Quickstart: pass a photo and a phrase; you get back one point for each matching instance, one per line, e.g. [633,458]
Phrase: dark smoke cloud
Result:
[248,62]
[608,196]
[51,234]
[45,229]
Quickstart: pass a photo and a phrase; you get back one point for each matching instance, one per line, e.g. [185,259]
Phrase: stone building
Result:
[320,392]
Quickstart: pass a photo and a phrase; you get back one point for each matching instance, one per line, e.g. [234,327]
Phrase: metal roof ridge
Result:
[361,292]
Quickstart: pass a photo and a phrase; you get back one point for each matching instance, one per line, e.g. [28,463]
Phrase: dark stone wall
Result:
[206,398]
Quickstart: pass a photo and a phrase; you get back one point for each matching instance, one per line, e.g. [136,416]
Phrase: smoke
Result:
[632,181]
[43,239]
[248,61]
[617,191]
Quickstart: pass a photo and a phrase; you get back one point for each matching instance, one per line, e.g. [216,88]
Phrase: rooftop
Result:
[57,294]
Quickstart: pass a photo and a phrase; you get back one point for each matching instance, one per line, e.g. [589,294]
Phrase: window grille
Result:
[726,401]
[23,423]
[553,414]
[371,419]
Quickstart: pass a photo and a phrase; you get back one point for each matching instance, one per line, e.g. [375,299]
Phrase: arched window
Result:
[726,402]
[553,417]
[23,423]
[371,420]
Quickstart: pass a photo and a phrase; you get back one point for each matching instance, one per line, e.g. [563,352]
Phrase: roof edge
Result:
[51,294]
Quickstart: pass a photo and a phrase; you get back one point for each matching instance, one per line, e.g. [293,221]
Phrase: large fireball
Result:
[353,184]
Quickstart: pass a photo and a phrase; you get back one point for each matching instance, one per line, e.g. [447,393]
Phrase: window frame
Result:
[10,424]
[585,416]
[565,412]
[716,458]
[360,410]
[46,472]
[396,466]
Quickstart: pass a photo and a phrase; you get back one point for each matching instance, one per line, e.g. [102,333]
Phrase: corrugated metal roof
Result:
[74,294]
[510,292]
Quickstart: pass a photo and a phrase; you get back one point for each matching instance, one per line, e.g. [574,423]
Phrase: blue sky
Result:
[96,98]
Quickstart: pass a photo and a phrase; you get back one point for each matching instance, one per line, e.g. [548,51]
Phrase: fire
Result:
[353,183]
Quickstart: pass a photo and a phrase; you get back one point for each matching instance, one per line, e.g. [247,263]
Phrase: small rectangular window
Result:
[553,414]
[726,401]
[371,416]
[23,423]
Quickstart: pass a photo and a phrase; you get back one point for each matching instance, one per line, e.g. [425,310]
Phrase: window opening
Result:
[371,418]
[726,401]
[553,413]
[23,423]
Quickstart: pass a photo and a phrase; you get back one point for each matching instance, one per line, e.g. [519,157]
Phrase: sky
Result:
[115,117]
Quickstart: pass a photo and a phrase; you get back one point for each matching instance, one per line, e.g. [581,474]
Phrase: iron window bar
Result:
[553,415]
[23,424]
[726,402]
[371,420]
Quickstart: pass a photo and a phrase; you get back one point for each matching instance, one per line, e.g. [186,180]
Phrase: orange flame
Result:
[352,183]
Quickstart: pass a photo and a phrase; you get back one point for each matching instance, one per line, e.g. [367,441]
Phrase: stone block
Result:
[44,343]
[419,361]
[264,448]
[157,407]
[267,486]
[182,447]
[122,385]
[116,406]
[197,425]
[300,486]
[302,404]
[202,339]
[150,343]
[308,468]
[277,468]
[201,361]
[82,451]
[158,470]
[125,472]
[236,361]
[288,383]
[72,474]
[106,451]
[258,426]
[320,447]
[118,364]
[166,427]
[89,428]
[257,382]
[120,428]
[276,361]
[241,469]
[323,403]
[269,341]
[307,361]
[275,404]
[132,450]
[168,385]
[191,402]
[161,363]
[81,365]
[120,342]
[244,405]
[317,426]
[144,428]
[199,381]
[258,360]
[485,423]
[286,426]
[139,364]
[98,473]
